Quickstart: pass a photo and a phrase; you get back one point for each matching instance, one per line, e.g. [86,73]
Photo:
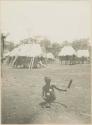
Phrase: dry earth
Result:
[21,95]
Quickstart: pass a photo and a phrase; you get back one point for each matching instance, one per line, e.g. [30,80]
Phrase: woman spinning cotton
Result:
[48,92]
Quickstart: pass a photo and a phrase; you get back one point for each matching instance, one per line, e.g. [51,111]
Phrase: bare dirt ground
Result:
[21,95]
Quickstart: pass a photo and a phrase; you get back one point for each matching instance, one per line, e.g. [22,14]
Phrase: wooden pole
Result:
[32,62]
[11,60]
[14,60]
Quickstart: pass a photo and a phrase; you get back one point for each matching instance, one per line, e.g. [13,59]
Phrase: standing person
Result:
[48,92]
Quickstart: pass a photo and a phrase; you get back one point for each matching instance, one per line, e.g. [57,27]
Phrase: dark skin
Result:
[48,93]
[47,88]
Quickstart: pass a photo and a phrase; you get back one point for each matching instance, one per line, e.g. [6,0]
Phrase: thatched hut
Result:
[50,57]
[67,55]
[26,55]
[83,56]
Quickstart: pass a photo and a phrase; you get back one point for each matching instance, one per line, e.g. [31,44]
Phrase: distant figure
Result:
[48,92]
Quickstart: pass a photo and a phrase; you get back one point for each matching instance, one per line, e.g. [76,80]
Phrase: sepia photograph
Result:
[45,61]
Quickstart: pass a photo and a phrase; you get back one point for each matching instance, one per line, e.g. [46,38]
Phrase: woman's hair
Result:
[47,79]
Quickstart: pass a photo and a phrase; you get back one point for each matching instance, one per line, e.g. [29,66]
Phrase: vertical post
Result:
[11,60]
[32,62]
[14,60]
[2,44]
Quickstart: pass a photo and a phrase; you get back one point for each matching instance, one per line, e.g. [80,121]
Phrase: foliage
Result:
[46,44]
[56,47]
[80,44]
[9,46]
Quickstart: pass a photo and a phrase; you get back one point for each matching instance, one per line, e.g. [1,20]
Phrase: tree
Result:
[80,44]
[46,44]
[65,43]
[9,46]
[56,49]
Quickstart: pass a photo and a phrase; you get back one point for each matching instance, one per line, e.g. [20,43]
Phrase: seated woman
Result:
[48,92]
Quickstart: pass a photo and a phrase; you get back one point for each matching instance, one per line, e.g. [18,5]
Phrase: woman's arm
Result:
[59,88]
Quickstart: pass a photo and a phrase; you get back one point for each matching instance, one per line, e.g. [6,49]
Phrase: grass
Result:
[21,95]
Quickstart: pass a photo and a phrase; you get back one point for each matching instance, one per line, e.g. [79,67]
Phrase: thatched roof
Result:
[29,50]
[50,56]
[67,50]
[82,53]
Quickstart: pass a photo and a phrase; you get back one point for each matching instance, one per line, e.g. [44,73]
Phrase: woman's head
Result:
[47,80]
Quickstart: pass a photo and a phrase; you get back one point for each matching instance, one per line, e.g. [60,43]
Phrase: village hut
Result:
[83,56]
[50,57]
[67,55]
[26,55]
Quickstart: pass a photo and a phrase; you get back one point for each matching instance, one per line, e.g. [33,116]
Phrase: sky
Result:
[56,20]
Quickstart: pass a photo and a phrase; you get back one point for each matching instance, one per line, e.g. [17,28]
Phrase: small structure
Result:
[67,55]
[50,57]
[26,55]
[83,56]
